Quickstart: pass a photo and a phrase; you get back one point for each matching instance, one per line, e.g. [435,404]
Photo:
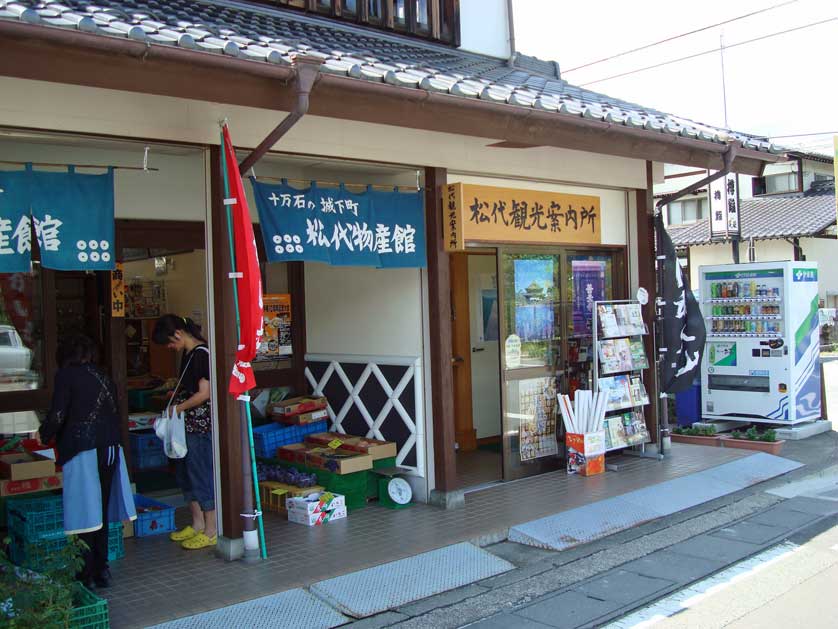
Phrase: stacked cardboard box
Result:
[316,509]
[338,461]
[375,448]
[26,473]
[275,494]
[300,410]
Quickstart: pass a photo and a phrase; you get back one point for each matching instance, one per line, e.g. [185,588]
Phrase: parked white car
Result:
[15,357]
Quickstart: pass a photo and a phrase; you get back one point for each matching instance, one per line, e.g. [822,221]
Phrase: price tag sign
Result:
[334,444]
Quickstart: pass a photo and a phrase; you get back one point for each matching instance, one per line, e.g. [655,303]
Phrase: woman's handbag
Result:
[170,426]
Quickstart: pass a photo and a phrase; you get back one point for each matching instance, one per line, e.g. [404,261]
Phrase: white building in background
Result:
[789,213]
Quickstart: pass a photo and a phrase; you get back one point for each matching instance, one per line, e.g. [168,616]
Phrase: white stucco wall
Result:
[484,27]
[364,311]
[177,191]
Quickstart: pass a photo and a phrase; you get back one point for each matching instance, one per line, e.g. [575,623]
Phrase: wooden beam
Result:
[647,279]
[439,313]
[229,429]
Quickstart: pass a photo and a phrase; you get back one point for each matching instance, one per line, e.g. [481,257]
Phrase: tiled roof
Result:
[763,218]
[274,35]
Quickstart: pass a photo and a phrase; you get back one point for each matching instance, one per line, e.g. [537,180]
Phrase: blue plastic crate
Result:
[161,520]
[267,438]
[147,450]
[33,518]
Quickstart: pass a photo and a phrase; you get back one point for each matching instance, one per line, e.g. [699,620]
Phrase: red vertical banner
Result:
[247,275]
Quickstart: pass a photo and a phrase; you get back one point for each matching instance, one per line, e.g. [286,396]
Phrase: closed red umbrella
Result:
[247,290]
[248,276]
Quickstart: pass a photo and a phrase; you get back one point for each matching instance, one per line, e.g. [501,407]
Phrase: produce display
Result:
[287,475]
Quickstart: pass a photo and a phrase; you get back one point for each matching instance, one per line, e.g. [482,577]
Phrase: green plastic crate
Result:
[33,518]
[352,486]
[90,612]
[41,553]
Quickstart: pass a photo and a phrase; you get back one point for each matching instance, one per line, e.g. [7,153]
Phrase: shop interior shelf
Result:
[742,300]
[745,317]
[753,335]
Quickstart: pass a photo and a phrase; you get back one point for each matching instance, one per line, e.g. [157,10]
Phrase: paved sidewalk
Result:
[593,602]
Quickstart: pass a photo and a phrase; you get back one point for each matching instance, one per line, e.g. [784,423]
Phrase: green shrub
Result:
[769,435]
[40,599]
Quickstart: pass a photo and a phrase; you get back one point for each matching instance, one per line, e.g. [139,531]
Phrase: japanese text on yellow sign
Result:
[117,291]
[485,214]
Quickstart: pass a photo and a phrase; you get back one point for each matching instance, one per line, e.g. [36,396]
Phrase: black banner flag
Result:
[683,327]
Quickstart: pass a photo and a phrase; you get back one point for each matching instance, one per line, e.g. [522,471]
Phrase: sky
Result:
[782,85]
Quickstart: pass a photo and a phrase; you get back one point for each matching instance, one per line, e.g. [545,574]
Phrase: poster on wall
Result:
[537,408]
[381,229]
[276,338]
[588,287]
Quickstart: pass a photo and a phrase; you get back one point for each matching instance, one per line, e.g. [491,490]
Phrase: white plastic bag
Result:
[174,444]
[170,426]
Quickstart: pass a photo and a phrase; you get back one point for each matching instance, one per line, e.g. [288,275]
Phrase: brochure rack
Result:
[619,362]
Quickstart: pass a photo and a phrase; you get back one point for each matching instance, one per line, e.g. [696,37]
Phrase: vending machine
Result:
[762,359]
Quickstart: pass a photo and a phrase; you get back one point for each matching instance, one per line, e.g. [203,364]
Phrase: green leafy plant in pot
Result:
[40,599]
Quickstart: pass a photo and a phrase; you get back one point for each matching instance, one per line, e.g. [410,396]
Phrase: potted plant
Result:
[52,597]
[752,439]
[696,435]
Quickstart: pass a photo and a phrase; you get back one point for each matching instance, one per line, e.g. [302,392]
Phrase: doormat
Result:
[391,585]
[606,517]
[293,609]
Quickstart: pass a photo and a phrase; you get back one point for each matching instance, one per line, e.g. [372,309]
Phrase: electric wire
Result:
[674,37]
[708,52]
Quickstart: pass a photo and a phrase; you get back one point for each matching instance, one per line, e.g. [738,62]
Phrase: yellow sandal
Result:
[200,541]
[187,532]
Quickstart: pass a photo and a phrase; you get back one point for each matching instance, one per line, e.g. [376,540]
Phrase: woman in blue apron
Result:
[84,419]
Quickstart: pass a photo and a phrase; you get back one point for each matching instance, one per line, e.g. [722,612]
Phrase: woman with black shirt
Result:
[84,420]
[192,398]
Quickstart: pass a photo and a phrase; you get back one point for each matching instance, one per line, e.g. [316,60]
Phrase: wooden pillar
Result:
[647,279]
[224,348]
[439,313]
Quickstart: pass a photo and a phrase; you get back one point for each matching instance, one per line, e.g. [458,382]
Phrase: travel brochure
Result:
[620,320]
[625,429]
[622,354]
[624,392]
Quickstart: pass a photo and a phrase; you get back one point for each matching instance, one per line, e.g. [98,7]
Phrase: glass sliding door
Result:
[531,359]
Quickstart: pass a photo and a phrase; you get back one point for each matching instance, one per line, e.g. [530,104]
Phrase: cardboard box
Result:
[298,405]
[336,461]
[127,528]
[26,466]
[315,519]
[302,418]
[29,486]
[274,494]
[376,449]
[586,453]
[317,503]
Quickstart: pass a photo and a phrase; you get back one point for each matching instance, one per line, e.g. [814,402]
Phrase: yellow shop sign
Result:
[485,214]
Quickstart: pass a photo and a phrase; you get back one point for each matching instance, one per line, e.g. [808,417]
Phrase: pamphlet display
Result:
[619,361]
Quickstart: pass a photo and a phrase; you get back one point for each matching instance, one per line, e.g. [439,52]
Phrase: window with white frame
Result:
[782,182]
[687,211]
